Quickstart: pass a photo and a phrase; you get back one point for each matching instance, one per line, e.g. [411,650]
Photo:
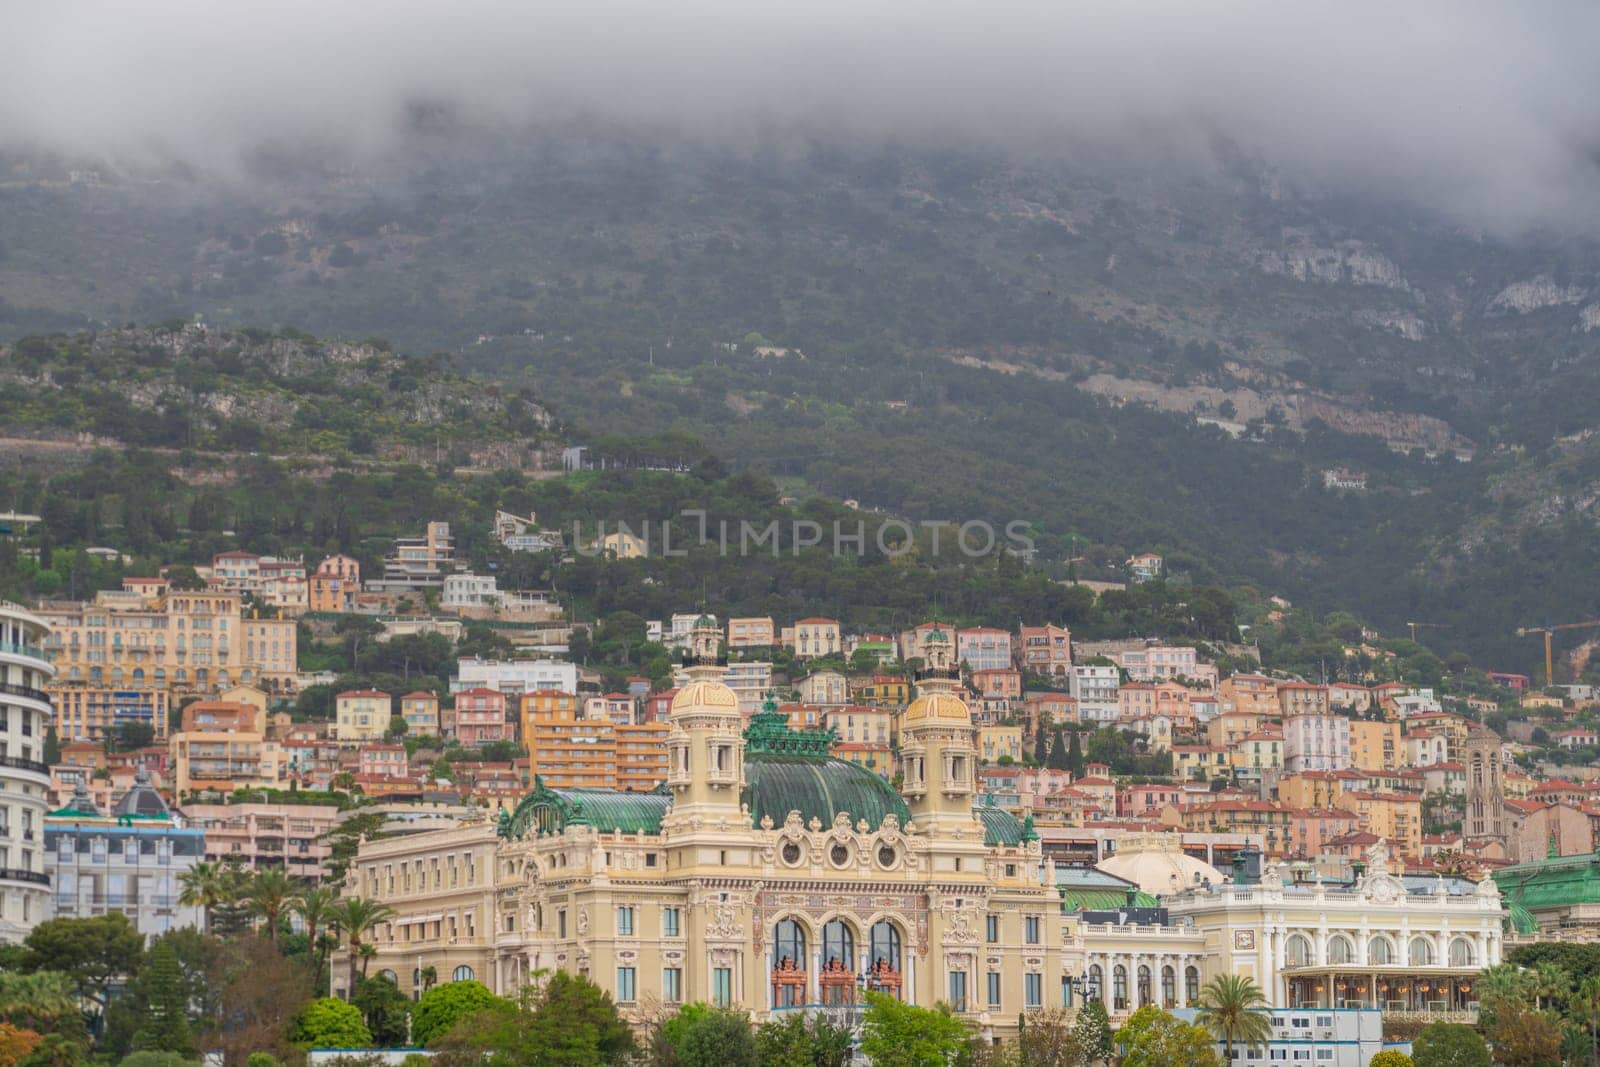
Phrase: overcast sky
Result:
[1489,111]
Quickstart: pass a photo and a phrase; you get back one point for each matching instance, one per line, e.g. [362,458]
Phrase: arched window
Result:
[1191,986]
[1461,953]
[1144,985]
[1169,987]
[1119,988]
[1297,951]
[839,946]
[883,958]
[390,975]
[1380,952]
[1421,954]
[1097,982]
[788,964]
[1340,950]
[462,973]
[789,944]
[138,674]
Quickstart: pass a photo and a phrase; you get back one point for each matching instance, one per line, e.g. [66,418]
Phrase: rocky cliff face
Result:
[1535,294]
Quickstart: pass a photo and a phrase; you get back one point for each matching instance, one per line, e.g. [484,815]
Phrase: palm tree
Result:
[205,885]
[368,953]
[1504,983]
[37,1000]
[315,906]
[1584,1009]
[269,894]
[1551,982]
[1234,1009]
[356,917]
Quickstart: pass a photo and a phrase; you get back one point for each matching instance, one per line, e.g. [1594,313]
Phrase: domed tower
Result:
[705,749]
[938,743]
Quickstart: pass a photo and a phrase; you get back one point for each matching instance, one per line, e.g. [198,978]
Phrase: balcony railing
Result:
[24,691]
[21,648]
[20,764]
[14,874]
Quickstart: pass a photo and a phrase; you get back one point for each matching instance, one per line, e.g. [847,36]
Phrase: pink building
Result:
[1141,700]
[386,760]
[614,708]
[1312,830]
[481,716]
[1045,650]
[1148,800]
[1002,684]
[983,648]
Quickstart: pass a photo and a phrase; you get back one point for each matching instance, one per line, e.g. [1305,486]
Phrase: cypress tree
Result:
[1075,760]
[1041,740]
[166,1021]
[1058,752]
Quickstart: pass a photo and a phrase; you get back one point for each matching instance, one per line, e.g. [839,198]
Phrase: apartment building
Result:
[419,563]
[860,723]
[984,648]
[1302,698]
[824,687]
[333,586]
[1255,694]
[183,640]
[481,717]
[1375,746]
[129,859]
[362,715]
[280,583]
[995,742]
[1002,684]
[223,746]
[420,710]
[615,708]
[1316,743]
[814,637]
[514,677]
[641,755]
[92,713]
[1157,663]
[1045,651]
[291,837]
[24,776]
[1095,688]
[754,632]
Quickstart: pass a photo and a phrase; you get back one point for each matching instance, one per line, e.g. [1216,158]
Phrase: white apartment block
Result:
[515,676]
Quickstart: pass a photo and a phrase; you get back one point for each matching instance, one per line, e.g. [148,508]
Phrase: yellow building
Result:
[224,746]
[91,713]
[420,710]
[1395,817]
[997,741]
[185,641]
[884,691]
[754,632]
[1375,746]
[766,875]
[362,715]
[1260,751]
[623,545]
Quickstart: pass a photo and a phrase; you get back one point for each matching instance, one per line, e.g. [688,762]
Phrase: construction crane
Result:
[1415,626]
[1549,664]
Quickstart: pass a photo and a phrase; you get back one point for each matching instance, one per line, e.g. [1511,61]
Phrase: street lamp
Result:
[1086,986]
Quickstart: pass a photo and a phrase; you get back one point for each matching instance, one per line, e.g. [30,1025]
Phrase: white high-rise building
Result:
[24,776]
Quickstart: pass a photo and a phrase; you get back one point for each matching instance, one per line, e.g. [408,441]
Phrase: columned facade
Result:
[25,715]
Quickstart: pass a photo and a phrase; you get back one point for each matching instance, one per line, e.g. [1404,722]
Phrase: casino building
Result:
[764,874]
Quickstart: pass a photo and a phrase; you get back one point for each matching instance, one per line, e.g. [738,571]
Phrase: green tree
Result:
[1449,1045]
[329,1022]
[1058,751]
[356,917]
[1551,984]
[441,1007]
[166,1004]
[269,894]
[1075,761]
[1093,1030]
[156,1058]
[384,1009]
[94,953]
[567,1022]
[1502,985]
[705,1036]
[896,1034]
[797,1040]
[1153,1037]
[215,888]
[1234,1009]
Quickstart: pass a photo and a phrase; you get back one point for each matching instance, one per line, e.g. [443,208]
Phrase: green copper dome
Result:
[819,788]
